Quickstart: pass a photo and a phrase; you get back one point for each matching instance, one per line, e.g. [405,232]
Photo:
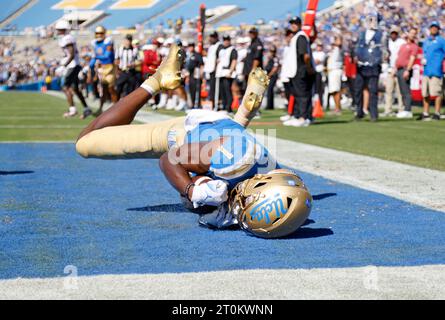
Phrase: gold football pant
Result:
[133,141]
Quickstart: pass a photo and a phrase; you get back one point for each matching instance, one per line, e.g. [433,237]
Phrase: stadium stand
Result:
[269,10]
[248,14]
[134,4]
[127,13]
[77,4]
[11,11]
[37,15]
[10,8]
[120,14]
[125,17]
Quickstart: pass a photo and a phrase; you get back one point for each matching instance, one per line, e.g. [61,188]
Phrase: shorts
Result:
[107,75]
[71,77]
[432,87]
[334,80]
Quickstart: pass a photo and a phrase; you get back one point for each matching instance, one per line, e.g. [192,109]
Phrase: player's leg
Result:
[256,87]
[108,136]
[76,91]
[132,141]
[67,83]
[121,113]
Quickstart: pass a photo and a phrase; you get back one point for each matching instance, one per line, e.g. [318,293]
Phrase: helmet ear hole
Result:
[289,202]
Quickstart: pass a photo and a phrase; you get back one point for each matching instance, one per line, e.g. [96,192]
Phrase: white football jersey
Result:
[63,43]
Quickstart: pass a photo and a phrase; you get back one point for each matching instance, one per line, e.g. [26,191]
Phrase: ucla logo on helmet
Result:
[268,206]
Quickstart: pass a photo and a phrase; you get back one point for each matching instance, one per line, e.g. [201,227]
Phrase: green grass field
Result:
[38,117]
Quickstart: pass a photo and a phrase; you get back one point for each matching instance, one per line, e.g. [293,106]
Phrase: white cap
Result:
[169,41]
[242,40]
[63,25]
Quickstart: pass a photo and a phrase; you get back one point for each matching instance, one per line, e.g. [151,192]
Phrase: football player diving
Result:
[219,169]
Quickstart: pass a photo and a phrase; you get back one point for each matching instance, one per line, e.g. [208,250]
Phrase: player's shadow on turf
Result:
[322,196]
[305,233]
[177,207]
[12,173]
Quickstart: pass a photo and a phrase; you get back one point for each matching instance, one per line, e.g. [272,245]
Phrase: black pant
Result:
[371,81]
[126,83]
[71,79]
[319,86]
[287,90]
[302,91]
[195,92]
[270,93]
[351,83]
[405,88]
[212,84]
[225,88]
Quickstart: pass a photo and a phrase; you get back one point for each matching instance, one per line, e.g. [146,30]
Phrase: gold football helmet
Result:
[272,205]
[101,33]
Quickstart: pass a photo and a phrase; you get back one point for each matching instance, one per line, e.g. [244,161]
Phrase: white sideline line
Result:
[40,127]
[34,142]
[421,282]
[424,187]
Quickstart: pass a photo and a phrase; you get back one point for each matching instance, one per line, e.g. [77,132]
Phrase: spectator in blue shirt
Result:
[432,83]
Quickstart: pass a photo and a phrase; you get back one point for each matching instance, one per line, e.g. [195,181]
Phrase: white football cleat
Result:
[404,115]
[285,118]
[163,101]
[182,106]
[72,112]
[298,123]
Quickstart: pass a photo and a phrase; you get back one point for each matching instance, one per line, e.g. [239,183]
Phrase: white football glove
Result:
[212,193]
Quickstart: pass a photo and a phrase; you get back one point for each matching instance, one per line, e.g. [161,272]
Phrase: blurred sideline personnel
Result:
[284,74]
[301,74]
[70,69]
[432,83]
[320,60]
[195,70]
[150,62]
[264,200]
[272,68]
[225,72]
[126,58]
[210,65]
[335,72]
[392,82]
[138,63]
[255,53]
[369,56]
[103,65]
[404,64]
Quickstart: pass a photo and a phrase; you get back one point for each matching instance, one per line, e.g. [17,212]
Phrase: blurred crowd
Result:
[359,58]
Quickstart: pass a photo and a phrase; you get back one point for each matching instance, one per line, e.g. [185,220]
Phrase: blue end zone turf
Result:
[122,217]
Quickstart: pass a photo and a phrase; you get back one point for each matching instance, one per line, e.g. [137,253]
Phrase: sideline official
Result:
[195,69]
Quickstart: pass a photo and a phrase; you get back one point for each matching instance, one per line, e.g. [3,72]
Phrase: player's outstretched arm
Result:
[178,163]
[167,77]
